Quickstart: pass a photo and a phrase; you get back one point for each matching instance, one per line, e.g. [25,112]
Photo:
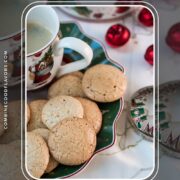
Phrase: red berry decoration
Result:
[173,37]
[149,55]
[122,9]
[117,35]
[38,54]
[145,17]
[98,15]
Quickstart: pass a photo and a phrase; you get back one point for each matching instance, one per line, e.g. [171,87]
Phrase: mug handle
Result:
[77,45]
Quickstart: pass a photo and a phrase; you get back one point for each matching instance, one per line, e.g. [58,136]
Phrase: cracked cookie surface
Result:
[70,85]
[104,83]
[36,107]
[59,108]
[37,155]
[92,113]
[52,162]
[72,141]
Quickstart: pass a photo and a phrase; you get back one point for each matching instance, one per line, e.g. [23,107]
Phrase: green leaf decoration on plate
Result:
[83,10]
[110,111]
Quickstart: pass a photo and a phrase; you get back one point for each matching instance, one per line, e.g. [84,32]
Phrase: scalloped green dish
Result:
[111,111]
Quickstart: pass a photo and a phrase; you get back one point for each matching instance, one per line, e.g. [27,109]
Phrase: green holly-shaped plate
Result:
[111,111]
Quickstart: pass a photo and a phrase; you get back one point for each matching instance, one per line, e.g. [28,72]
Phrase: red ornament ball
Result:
[117,35]
[173,37]
[145,17]
[149,55]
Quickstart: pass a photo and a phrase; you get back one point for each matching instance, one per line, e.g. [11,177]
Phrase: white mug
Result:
[45,63]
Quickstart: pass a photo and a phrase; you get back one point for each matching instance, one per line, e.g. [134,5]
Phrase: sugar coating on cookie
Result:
[72,141]
[1,120]
[52,162]
[37,155]
[59,108]
[70,85]
[104,83]
[36,107]
[92,113]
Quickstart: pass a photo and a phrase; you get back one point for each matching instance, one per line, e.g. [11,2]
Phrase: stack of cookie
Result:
[63,129]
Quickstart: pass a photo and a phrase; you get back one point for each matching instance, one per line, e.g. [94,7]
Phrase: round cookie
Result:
[36,107]
[11,161]
[59,108]
[28,114]
[1,120]
[42,132]
[14,123]
[70,85]
[72,141]
[77,73]
[37,155]
[52,162]
[104,83]
[92,113]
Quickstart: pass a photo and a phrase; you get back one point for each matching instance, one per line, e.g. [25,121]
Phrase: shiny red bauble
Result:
[117,35]
[149,55]
[173,37]
[145,17]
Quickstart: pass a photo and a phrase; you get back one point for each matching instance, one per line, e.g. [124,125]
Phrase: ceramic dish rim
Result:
[79,17]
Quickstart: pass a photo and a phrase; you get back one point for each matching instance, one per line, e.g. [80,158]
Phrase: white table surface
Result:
[131,156]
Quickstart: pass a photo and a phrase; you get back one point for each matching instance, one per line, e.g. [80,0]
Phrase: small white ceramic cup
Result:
[44,64]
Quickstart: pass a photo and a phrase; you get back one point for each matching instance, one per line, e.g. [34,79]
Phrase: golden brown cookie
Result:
[28,114]
[92,113]
[77,73]
[52,162]
[13,131]
[104,83]
[72,141]
[37,155]
[70,85]
[59,108]
[1,120]
[10,68]
[36,107]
